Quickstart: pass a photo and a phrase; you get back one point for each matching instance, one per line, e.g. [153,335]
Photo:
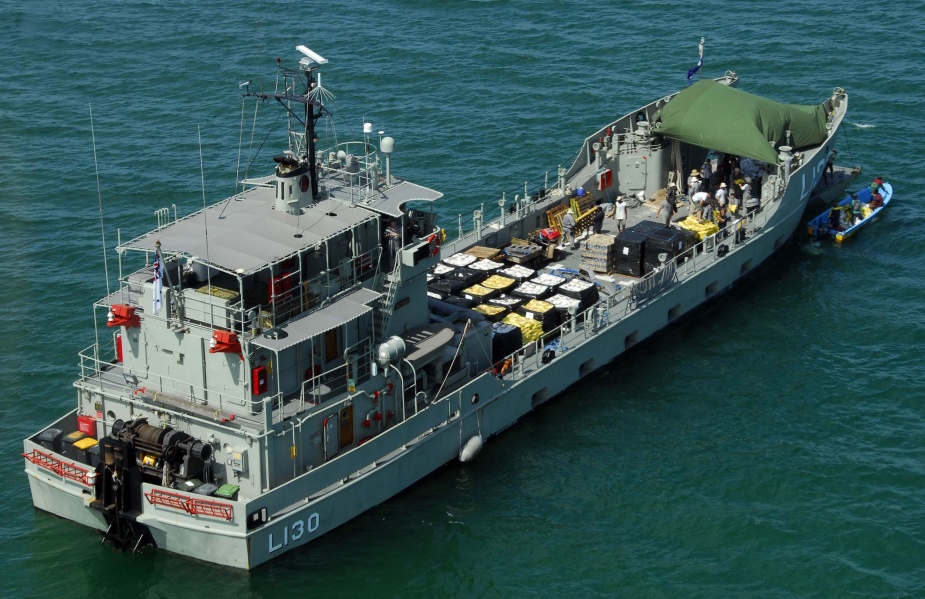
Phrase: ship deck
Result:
[569,258]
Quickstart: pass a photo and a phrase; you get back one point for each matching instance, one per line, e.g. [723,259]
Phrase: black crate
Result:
[644,227]
[675,241]
[446,287]
[628,253]
[460,301]
[548,319]
[468,276]
[671,242]
[505,340]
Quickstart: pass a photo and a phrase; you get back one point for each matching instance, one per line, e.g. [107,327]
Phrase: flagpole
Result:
[700,62]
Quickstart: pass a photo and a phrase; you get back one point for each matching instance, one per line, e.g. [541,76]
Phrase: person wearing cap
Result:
[721,194]
[693,183]
[671,195]
[619,213]
[878,181]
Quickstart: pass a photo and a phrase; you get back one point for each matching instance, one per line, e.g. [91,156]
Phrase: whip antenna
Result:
[205,224]
[99,199]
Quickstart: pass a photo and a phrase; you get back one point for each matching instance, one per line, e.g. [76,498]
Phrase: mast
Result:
[308,65]
[311,117]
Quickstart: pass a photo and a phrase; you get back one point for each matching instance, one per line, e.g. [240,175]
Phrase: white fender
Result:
[472,447]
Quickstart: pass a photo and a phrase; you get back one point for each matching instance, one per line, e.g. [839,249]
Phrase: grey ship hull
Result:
[334,492]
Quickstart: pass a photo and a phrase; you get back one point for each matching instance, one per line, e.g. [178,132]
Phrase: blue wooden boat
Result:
[823,225]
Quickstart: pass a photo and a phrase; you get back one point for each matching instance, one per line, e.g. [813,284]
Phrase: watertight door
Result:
[346,426]
[331,436]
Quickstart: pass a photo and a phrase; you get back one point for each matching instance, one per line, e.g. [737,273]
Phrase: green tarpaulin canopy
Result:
[712,115]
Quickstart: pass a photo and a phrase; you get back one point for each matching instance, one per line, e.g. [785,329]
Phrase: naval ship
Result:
[281,361]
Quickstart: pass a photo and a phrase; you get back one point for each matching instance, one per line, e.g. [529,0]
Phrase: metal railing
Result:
[621,302]
[104,374]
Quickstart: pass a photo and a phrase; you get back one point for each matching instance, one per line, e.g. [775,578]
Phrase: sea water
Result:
[771,446]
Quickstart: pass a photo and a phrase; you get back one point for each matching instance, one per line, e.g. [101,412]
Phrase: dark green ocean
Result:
[771,446]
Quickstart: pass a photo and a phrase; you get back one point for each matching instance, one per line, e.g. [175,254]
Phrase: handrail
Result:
[109,373]
[310,391]
[573,333]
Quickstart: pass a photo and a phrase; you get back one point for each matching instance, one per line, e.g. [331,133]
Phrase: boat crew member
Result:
[834,214]
[706,212]
[876,200]
[746,188]
[619,213]
[393,239]
[672,196]
[878,181]
[721,194]
[845,216]
[856,214]
[668,208]
[733,201]
[720,216]
[829,167]
[697,201]
[568,228]
[751,203]
[693,183]
[598,221]
[706,175]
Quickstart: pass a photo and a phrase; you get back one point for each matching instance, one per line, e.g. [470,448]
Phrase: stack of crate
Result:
[597,254]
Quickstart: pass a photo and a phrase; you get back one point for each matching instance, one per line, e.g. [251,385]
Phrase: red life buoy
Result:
[434,241]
